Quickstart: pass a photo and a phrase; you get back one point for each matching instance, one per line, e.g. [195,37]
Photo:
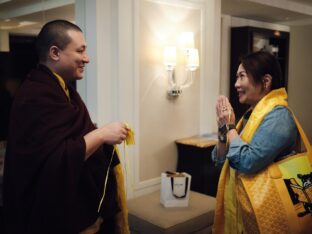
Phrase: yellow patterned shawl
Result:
[227,215]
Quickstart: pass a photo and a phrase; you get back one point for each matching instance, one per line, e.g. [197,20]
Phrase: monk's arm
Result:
[113,133]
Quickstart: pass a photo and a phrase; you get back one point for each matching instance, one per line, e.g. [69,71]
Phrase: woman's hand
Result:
[224,111]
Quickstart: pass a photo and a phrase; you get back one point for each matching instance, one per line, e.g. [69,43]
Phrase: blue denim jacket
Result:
[275,137]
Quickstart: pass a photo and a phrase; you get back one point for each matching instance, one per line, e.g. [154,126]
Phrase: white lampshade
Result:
[170,56]
[187,40]
[193,60]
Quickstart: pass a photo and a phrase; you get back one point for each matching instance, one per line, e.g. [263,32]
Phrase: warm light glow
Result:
[193,60]
[14,24]
[277,33]
[170,56]
[187,40]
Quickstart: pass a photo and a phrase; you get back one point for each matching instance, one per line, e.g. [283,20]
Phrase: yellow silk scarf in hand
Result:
[122,217]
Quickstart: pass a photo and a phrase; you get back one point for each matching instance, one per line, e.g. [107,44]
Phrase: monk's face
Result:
[73,57]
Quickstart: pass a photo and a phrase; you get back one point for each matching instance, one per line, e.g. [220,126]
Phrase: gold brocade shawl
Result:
[227,215]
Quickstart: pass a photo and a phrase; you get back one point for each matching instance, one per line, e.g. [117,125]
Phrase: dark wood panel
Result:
[197,162]
[242,43]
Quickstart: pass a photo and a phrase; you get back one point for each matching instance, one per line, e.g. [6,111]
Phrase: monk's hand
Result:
[114,133]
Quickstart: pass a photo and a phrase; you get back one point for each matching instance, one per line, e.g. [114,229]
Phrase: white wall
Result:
[300,75]
[128,81]
[163,120]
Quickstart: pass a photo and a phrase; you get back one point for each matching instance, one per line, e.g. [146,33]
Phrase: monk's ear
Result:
[267,82]
[54,53]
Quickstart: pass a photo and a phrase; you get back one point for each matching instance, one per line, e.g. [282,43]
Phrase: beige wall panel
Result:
[300,76]
[164,120]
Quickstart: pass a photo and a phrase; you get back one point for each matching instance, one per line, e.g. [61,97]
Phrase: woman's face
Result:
[249,92]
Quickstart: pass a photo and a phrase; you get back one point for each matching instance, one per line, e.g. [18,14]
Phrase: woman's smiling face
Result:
[248,91]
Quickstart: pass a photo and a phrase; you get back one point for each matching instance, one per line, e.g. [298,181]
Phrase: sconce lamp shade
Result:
[170,57]
[193,60]
[191,63]
[187,40]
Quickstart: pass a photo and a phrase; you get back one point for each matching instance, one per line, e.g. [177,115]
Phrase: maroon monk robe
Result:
[48,186]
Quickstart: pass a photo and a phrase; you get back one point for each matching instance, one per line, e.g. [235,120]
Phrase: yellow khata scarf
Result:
[62,84]
[227,215]
[122,217]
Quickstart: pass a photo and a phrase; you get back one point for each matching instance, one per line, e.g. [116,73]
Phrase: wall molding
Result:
[110,88]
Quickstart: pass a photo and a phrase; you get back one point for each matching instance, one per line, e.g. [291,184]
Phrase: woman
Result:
[266,133]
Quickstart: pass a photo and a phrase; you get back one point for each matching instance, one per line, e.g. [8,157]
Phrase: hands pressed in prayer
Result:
[224,111]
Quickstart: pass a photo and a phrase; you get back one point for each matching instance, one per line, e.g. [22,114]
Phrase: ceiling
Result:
[285,12]
[27,16]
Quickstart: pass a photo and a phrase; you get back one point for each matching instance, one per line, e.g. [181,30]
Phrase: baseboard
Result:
[145,187]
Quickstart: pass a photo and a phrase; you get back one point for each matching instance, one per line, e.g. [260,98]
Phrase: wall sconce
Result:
[191,63]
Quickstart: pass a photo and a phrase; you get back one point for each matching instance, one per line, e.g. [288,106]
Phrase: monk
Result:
[57,160]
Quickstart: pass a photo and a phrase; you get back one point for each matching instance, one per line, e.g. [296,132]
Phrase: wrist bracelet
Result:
[222,138]
[230,127]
